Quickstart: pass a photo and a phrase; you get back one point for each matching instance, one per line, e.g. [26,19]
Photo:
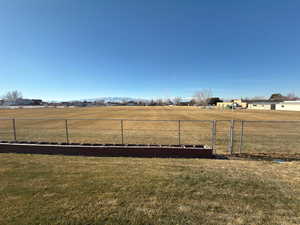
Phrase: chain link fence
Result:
[224,136]
[269,137]
[107,131]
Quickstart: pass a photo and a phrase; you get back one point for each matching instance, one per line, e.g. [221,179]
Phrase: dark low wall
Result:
[109,151]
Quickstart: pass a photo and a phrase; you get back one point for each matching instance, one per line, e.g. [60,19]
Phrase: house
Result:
[131,103]
[37,101]
[24,102]
[113,103]
[240,103]
[224,104]
[234,103]
[185,102]
[262,104]
[213,101]
[288,106]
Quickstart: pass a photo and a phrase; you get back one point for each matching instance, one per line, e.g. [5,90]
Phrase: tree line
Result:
[203,97]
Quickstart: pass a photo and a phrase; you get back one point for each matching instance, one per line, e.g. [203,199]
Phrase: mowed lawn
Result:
[39,189]
[259,137]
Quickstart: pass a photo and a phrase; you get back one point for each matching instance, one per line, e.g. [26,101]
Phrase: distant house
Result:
[65,104]
[113,104]
[131,103]
[213,101]
[262,104]
[24,102]
[224,104]
[185,102]
[288,106]
[237,103]
[37,101]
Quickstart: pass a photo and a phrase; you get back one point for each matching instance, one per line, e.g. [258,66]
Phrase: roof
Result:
[262,101]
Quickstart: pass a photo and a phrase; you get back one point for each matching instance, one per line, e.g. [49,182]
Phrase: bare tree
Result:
[152,103]
[292,97]
[100,102]
[159,102]
[201,97]
[168,101]
[289,97]
[13,96]
[177,100]
[141,102]
[258,98]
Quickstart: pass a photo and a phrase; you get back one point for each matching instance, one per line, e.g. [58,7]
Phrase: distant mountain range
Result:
[121,99]
[114,99]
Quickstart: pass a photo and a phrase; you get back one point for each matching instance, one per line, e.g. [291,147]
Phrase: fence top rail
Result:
[137,120]
[150,120]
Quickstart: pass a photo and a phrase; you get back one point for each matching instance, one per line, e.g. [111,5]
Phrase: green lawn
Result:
[38,189]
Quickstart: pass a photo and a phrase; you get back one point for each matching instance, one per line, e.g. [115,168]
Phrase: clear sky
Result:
[76,49]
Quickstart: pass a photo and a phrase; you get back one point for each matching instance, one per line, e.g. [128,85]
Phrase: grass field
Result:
[87,190]
[259,137]
[153,113]
[39,189]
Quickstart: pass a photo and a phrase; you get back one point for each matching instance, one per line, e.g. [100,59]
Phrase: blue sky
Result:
[74,49]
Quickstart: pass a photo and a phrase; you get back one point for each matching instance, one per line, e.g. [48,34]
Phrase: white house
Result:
[288,106]
[262,105]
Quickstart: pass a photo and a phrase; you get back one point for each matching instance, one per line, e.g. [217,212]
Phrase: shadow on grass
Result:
[267,156]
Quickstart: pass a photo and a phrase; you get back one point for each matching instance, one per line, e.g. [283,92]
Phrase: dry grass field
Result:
[153,113]
[259,137]
[39,189]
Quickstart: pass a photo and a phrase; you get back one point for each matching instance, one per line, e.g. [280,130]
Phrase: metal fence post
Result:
[14,129]
[242,136]
[179,133]
[213,134]
[67,131]
[231,136]
[122,132]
